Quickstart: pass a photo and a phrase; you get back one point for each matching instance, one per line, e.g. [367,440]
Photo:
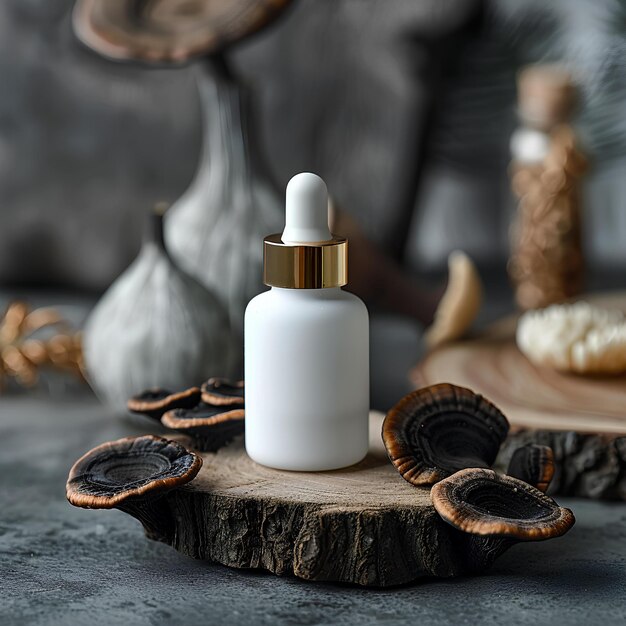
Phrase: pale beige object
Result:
[577,338]
[377,447]
[531,397]
[460,303]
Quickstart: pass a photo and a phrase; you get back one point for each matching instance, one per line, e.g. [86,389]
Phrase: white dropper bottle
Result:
[306,346]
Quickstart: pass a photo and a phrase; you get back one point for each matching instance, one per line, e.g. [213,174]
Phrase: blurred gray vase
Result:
[156,326]
[215,230]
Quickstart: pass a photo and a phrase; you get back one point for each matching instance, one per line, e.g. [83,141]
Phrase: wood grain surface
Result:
[363,524]
[530,396]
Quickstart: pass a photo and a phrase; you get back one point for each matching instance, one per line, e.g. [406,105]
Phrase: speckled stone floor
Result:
[60,565]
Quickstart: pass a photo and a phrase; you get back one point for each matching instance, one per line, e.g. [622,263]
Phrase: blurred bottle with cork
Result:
[546,263]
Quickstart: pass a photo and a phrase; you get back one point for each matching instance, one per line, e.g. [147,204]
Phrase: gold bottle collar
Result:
[305,266]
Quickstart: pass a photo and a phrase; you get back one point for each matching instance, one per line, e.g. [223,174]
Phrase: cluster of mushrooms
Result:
[134,473]
[211,415]
[441,437]
[448,437]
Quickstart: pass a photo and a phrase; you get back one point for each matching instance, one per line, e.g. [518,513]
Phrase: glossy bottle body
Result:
[307,379]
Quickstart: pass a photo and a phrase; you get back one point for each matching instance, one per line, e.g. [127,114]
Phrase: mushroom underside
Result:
[482,502]
[210,427]
[129,468]
[157,401]
[490,513]
[436,431]
[223,392]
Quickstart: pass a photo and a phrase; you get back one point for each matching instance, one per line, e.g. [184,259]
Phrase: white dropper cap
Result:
[306,213]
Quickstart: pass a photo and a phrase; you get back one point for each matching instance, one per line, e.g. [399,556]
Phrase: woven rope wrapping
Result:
[546,263]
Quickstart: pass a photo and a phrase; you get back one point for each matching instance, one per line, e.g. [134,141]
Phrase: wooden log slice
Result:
[363,524]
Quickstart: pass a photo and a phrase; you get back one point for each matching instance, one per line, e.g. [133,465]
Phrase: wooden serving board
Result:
[364,524]
[530,396]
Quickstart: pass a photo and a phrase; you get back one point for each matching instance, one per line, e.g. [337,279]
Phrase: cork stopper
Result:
[546,95]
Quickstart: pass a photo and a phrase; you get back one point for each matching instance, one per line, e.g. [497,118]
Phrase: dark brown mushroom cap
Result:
[169,31]
[223,392]
[154,402]
[482,502]
[210,427]
[435,431]
[129,468]
[533,464]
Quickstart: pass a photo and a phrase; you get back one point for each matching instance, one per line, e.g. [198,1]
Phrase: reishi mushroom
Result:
[155,402]
[210,427]
[211,415]
[482,502]
[533,464]
[435,431]
[493,512]
[133,474]
[169,31]
[223,392]
[448,437]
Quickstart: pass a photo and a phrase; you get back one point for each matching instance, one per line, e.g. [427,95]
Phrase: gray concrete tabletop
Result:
[66,566]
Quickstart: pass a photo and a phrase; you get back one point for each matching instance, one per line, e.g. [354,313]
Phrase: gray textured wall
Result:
[405,107]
